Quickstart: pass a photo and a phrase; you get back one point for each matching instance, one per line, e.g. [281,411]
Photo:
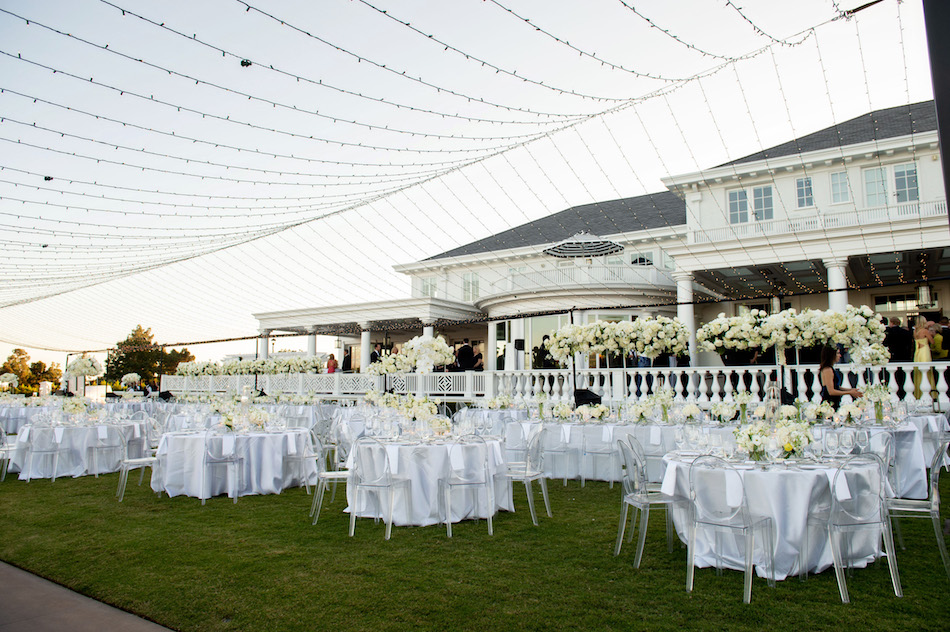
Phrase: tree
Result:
[18,363]
[42,374]
[139,353]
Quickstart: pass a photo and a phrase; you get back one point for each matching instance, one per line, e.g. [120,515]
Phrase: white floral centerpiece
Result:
[743,399]
[76,405]
[562,411]
[593,412]
[788,412]
[724,412]
[752,439]
[638,413]
[570,339]
[85,366]
[847,415]
[793,436]
[816,413]
[662,400]
[874,399]
[501,402]
[9,379]
[692,413]
[130,379]
[373,397]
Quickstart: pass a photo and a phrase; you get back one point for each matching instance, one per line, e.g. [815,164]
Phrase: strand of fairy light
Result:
[514,73]
[323,84]
[222,145]
[259,99]
[235,121]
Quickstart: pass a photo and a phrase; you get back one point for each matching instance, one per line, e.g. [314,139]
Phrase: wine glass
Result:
[714,441]
[862,439]
[831,443]
[846,442]
[774,449]
[679,438]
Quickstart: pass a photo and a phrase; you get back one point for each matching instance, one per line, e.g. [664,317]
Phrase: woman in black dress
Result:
[831,378]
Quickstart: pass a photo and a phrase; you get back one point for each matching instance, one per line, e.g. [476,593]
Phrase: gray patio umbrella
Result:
[583,244]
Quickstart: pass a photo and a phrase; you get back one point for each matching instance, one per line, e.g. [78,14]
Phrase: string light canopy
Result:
[583,244]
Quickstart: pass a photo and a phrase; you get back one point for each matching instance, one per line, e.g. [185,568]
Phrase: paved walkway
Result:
[33,604]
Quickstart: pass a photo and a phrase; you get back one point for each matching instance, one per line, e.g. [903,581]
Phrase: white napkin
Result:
[733,490]
[227,444]
[136,430]
[499,458]
[607,436]
[393,452]
[24,435]
[656,435]
[58,434]
[291,444]
[103,432]
[565,433]
[669,480]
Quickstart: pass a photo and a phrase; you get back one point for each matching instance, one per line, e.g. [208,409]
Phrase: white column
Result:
[491,347]
[263,344]
[312,343]
[428,331]
[837,283]
[514,359]
[684,308]
[365,349]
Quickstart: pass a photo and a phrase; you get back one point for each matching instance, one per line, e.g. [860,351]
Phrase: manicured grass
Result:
[260,565]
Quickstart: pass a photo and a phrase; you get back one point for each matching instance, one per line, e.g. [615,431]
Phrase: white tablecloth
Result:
[12,418]
[76,460]
[489,421]
[788,497]
[425,464]
[181,461]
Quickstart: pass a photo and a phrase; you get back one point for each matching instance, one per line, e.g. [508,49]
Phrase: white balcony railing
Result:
[702,385]
[822,221]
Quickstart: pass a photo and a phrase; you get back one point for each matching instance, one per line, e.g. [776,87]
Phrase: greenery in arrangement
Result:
[260,565]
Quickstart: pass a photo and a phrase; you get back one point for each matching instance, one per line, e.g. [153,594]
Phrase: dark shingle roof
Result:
[656,210]
[902,120]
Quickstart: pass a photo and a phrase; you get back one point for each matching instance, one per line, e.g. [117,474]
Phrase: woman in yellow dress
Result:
[923,338]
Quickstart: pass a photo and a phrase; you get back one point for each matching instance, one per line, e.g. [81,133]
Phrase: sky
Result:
[186,165]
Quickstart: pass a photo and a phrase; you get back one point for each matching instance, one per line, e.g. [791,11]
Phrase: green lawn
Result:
[260,565]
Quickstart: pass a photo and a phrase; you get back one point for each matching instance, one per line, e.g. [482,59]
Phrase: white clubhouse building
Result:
[854,213]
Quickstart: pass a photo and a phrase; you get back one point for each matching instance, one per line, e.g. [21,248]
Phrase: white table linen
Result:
[182,460]
[76,441]
[424,464]
[786,495]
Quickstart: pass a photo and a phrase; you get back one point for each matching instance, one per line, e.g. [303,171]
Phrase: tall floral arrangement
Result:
[726,333]
[85,366]
[276,366]
[9,378]
[130,379]
[648,336]
[392,363]
[426,353]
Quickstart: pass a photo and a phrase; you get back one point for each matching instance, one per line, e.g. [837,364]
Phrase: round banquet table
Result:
[787,495]
[425,464]
[76,441]
[181,461]
[14,417]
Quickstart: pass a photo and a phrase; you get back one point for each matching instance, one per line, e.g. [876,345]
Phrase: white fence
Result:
[703,385]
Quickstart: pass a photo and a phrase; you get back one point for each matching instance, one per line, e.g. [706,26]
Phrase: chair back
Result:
[467,471]
[371,463]
[633,469]
[43,439]
[717,492]
[516,441]
[940,460]
[221,447]
[857,491]
[534,455]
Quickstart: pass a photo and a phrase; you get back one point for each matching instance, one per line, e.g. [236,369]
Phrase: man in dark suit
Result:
[348,361]
[377,354]
[900,342]
[465,356]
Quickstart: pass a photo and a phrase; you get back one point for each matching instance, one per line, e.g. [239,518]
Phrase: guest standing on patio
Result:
[831,378]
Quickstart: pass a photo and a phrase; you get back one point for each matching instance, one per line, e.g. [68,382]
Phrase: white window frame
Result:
[470,289]
[805,192]
[737,201]
[759,209]
[429,287]
[905,190]
[642,258]
[880,197]
[840,190]
[750,205]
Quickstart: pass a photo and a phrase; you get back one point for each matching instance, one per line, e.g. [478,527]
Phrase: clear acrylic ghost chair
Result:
[517,437]
[312,453]
[528,471]
[862,508]
[43,444]
[473,475]
[372,476]
[223,451]
[719,507]
[637,494]
[7,449]
[555,446]
[928,508]
[595,449]
[325,477]
[128,464]
[104,452]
